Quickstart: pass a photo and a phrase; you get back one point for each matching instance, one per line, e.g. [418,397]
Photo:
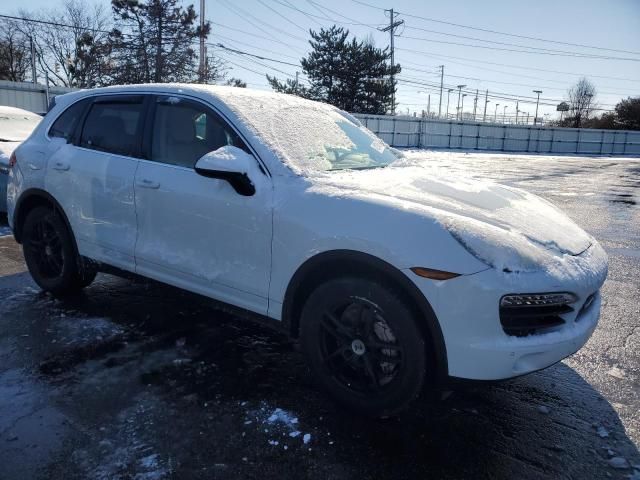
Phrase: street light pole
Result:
[504,114]
[517,110]
[535,119]
[495,113]
[460,87]
[448,93]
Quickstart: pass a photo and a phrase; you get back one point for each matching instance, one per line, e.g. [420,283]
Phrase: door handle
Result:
[62,166]
[146,183]
[33,166]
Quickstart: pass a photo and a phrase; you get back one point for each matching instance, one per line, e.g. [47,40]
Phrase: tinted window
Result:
[184,131]
[113,127]
[66,123]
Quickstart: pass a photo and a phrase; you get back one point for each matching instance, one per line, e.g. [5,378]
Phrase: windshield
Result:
[16,125]
[319,138]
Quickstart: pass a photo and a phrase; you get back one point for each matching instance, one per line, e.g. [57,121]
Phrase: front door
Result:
[196,232]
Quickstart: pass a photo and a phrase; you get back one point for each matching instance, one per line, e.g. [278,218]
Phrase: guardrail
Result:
[401,131]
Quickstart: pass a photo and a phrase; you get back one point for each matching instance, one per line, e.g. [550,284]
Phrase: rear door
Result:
[196,232]
[93,176]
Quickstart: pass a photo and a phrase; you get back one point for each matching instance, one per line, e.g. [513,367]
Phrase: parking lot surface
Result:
[136,380]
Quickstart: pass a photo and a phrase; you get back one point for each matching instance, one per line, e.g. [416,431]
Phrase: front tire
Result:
[363,343]
[51,256]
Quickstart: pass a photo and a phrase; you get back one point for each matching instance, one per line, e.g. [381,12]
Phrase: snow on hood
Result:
[16,124]
[507,228]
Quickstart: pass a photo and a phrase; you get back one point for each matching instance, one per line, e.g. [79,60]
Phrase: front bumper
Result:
[467,308]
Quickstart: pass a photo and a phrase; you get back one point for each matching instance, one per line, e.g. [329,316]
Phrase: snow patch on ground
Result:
[122,452]
[280,425]
[5,230]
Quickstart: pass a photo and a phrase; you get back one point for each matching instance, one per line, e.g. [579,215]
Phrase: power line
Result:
[240,52]
[270,39]
[497,43]
[282,16]
[496,32]
[447,57]
[484,80]
[568,54]
[246,16]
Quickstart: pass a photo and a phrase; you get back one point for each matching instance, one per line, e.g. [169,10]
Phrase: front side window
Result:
[65,124]
[114,127]
[184,131]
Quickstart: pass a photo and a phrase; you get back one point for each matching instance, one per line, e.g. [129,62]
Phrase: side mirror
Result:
[231,164]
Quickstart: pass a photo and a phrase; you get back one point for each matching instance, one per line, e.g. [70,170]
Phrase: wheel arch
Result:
[28,200]
[330,264]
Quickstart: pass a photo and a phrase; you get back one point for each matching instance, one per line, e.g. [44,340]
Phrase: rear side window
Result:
[113,127]
[184,131]
[66,123]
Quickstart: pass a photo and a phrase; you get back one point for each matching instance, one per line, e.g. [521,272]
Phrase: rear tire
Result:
[51,256]
[362,341]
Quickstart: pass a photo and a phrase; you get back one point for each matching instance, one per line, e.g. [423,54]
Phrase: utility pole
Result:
[475,105]
[504,114]
[495,113]
[448,93]
[203,56]
[462,106]
[535,119]
[517,110]
[527,118]
[428,105]
[441,85]
[486,102]
[460,87]
[391,29]
[297,73]
[34,76]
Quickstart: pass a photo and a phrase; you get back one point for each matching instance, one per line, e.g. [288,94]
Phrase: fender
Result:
[32,197]
[319,267]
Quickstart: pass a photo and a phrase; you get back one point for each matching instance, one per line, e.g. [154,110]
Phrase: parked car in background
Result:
[393,279]
[15,126]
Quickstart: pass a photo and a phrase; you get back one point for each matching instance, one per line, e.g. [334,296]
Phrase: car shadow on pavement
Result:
[157,380]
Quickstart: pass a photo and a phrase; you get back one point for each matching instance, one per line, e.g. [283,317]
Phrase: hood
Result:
[6,148]
[505,227]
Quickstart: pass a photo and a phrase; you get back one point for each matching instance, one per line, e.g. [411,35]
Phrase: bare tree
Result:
[581,101]
[14,52]
[64,36]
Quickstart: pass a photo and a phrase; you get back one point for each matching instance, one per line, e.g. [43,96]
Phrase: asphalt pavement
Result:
[137,380]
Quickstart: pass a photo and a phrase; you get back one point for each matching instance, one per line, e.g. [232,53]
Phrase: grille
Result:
[522,321]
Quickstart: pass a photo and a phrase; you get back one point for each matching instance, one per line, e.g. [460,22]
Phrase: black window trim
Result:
[116,98]
[200,103]
[65,110]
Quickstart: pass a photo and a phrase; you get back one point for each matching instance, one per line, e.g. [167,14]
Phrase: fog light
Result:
[538,299]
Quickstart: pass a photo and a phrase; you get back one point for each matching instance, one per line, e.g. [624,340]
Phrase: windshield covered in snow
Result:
[16,124]
[324,139]
[309,136]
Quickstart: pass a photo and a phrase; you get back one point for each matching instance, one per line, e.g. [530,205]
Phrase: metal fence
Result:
[29,96]
[400,131]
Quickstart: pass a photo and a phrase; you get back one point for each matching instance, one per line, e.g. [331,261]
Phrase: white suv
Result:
[391,279]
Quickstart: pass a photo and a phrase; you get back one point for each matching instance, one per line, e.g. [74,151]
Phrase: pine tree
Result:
[352,75]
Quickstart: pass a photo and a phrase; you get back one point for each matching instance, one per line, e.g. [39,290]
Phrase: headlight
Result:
[538,299]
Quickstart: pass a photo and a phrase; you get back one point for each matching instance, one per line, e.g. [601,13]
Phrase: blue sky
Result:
[423,44]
